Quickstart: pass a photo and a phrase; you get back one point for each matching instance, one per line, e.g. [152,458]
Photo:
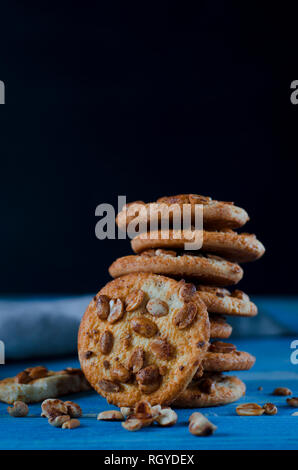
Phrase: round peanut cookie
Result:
[203,268]
[216,214]
[238,247]
[219,328]
[212,389]
[222,357]
[143,336]
[222,301]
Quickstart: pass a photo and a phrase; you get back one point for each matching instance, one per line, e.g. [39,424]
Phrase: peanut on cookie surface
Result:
[143,336]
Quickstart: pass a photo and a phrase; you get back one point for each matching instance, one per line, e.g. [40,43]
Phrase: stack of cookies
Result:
[155,332]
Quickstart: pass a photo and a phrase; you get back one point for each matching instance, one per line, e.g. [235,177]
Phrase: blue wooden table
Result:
[273,368]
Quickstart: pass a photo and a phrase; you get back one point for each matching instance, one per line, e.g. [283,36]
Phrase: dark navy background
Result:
[108,98]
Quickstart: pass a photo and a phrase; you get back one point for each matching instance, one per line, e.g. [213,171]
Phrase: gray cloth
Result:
[42,326]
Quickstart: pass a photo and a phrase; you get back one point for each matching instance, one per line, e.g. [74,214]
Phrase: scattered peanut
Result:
[132,424]
[112,415]
[270,409]
[58,421]
[199,425]
[18,410]
[73,409]
[293,402]
[71,424]
[250,409]
[53,407]
[166,417]
[282,391]
[126,411]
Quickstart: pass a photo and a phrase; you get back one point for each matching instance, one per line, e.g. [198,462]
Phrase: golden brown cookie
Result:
[143,337]
[205,268]
[222,301]
[211,390]
[216,214]
[238,247]
[38,383]
[223,357]
[219,328]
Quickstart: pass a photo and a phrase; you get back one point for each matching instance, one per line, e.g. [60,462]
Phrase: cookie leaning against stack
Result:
[211,268]
[143,336]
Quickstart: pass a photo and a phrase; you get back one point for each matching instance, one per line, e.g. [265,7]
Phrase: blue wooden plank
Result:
[273,368]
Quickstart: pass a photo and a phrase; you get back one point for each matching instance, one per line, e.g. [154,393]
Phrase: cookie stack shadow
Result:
[211,270]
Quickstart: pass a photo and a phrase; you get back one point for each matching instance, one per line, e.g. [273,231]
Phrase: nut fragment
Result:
[157,307]
[71,424]
[221,347]
[249,409]
[148,375]
[119,373]
[270,409]
[126,340]
[116,310]
[87,354]
[185,315]
[198,199]
[166,417]
[134,300]
[162,349]
[103,307]
[106,342]
[53,407]
[170,253]
[143,410]
[126,411]
[37,372]
[73,409]
[239,294]
[150,388]
[137,360]
[187,291]
[143,326]
[58,421]
[282,391]
[206,385]
[108,386]
[18,410]
[163,370]
[22,377]
[199,425]
[132,424]
[293,402]
[112,415]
